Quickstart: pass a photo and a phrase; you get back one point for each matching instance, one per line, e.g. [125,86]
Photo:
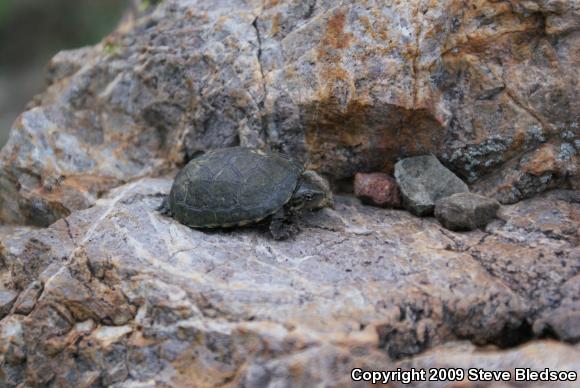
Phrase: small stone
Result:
[465,211]
[423,180]
[377,189]
[27,299]
[7,298]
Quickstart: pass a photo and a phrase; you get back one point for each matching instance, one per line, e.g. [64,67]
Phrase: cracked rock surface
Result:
[120,294]
[491,89]
[99,289]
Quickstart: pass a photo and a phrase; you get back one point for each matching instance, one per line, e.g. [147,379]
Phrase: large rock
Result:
[423,180]
[465,211]
[115,294]
[490,88]
[128,295]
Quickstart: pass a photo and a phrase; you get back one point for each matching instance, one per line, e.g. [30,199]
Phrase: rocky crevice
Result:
[262,103]
[525,107]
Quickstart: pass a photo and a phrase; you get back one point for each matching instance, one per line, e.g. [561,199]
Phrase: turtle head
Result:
[313,192]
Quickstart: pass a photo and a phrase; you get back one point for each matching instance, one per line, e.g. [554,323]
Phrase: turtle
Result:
[239,186]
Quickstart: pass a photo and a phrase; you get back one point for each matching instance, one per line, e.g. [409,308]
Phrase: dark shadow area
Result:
[32,31]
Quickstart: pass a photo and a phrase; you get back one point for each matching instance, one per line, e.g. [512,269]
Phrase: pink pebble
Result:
[378,189]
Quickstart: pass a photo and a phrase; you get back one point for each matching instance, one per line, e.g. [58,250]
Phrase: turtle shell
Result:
[232,186]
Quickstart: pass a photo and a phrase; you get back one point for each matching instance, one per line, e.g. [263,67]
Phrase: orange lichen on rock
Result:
[365,136]
[335,36]
[330,53]
[276,24]
[542,161]
[271,3]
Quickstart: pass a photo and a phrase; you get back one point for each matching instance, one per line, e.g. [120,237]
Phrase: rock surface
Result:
[114,294]
[377,189]
[465,211]
[128,295]
[423,180]
[490,89]
[7,299]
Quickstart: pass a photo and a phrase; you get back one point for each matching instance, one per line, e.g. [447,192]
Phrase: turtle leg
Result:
[164,207]
[281,227]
